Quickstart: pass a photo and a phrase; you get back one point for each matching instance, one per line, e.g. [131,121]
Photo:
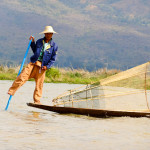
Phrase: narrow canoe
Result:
[91,112]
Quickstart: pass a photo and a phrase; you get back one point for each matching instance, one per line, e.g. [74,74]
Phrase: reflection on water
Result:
[35,114]
[28,128]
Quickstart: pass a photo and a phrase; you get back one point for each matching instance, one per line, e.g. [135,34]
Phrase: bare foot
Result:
[8,93]
[39,103]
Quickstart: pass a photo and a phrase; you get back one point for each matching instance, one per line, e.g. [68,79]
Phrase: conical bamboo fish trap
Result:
[128,91]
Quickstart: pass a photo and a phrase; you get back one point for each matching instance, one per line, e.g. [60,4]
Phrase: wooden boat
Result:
[91,112]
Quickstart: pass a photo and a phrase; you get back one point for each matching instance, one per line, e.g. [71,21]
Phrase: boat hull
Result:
[90,112]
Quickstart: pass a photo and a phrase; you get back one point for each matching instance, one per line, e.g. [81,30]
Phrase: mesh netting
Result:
[127,90]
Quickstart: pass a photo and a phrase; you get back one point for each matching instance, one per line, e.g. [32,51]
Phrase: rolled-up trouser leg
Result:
[39,79]
[21,79]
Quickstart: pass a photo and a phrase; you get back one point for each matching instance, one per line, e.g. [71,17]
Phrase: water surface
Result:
[28,128]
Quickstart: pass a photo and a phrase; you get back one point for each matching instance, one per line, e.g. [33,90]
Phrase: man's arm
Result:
[33,45]
[53,58]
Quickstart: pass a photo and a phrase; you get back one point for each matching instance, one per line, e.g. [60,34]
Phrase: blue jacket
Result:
[49,56]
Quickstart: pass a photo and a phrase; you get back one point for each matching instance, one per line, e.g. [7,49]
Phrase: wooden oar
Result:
[20,70]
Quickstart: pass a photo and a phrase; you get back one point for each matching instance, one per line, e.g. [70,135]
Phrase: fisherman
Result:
[44,56]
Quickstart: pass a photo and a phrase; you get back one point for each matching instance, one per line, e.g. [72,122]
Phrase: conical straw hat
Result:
[48,29]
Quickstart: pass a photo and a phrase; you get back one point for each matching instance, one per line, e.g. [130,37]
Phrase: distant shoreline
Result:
[62,75]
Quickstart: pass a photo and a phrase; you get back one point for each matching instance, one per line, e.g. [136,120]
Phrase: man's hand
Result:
[31,37]
[44,68]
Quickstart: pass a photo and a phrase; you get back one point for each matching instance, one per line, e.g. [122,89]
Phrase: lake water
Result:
[28,128]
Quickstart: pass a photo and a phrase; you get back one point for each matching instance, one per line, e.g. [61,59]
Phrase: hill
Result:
[92,34]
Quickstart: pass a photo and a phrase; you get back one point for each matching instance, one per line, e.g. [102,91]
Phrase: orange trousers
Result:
[30,71]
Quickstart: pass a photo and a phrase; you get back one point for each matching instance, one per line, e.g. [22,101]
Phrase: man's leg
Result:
[39,79]
[21,79]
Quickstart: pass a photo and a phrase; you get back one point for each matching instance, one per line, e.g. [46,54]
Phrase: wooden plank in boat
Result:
[90,112]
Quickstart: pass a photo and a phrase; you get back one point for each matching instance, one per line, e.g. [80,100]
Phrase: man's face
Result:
[48,36]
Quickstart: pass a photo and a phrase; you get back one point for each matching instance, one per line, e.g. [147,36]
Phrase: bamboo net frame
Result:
[126,90]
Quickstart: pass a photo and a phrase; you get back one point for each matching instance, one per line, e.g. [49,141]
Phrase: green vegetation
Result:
[76,76]
[62,75]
